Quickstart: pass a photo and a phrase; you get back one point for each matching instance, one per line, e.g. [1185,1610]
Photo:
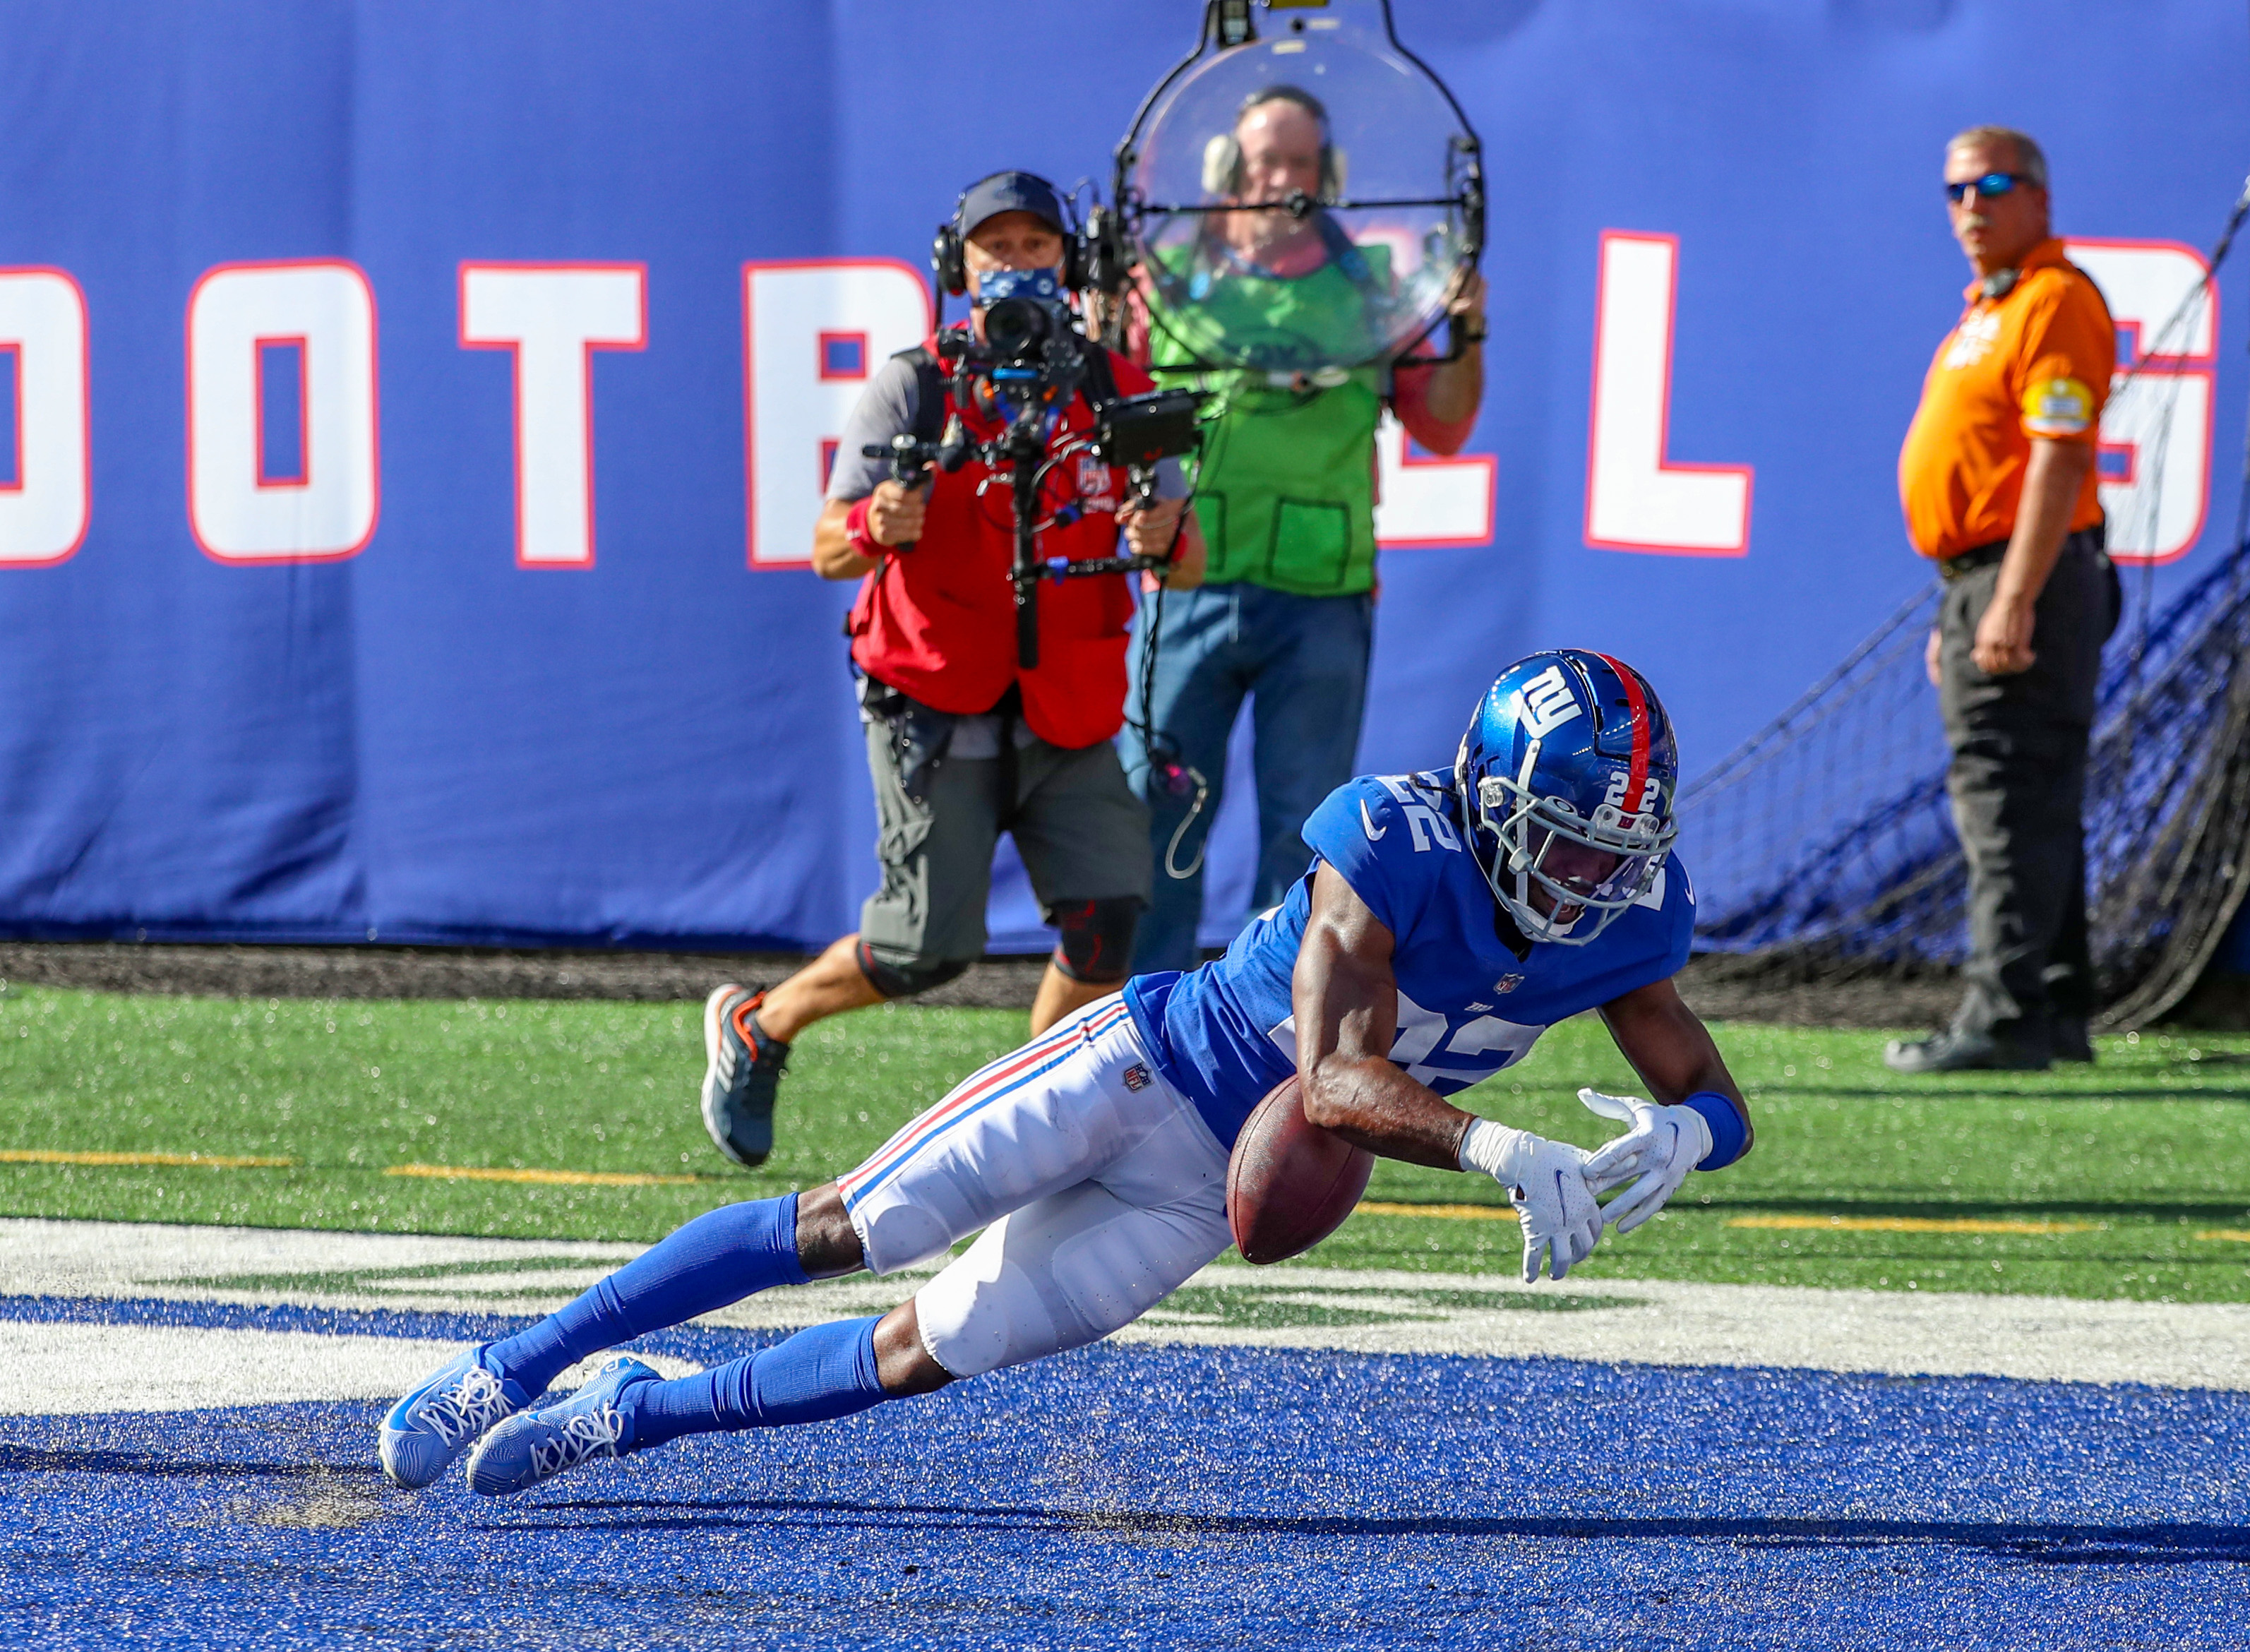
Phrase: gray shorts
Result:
[1082,832]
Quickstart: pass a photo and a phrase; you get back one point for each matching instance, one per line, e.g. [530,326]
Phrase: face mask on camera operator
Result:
[1008,243]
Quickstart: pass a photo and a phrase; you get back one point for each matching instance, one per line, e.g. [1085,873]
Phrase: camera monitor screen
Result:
[1298,202]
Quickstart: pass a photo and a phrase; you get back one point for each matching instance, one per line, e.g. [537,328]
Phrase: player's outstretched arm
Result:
[1699,1120]
[1346,999]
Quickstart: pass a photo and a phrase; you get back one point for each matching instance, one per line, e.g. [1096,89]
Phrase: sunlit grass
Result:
[2129,1178]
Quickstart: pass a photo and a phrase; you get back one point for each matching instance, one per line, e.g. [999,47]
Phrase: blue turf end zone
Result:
[1186,1497]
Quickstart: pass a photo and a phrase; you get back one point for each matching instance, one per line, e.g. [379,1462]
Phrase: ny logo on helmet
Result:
[1548,702]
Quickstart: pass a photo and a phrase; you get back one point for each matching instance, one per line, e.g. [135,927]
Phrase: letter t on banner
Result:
[554,317]
[1636,500]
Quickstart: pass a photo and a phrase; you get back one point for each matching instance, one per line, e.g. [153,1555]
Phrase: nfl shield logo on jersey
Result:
[1093,484]
[1508,983]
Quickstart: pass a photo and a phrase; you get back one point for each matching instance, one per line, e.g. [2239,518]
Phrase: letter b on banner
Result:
[328,508]
[813,335]
[45,494]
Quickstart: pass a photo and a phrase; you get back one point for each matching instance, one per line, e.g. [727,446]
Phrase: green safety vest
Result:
[1285,485]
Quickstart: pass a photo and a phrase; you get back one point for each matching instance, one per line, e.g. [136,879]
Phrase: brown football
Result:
[1289,1184]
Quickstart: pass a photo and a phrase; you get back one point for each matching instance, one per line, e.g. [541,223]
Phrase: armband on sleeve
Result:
[855,524]
[1728,1134]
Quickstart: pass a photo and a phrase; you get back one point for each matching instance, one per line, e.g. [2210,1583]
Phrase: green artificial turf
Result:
[2130,1164]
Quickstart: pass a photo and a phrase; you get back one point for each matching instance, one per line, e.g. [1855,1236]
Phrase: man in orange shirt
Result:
[1998,482]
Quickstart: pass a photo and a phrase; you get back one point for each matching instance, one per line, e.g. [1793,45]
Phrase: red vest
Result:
[939,622]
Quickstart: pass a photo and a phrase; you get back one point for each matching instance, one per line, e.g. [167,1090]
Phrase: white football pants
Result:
[1098,1187]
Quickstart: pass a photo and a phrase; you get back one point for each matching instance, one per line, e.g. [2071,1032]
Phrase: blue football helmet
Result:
[1569,748]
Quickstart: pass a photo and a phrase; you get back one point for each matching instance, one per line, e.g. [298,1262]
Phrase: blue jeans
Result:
[1304,661]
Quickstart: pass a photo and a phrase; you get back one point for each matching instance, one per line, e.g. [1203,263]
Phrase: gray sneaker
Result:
[1963,1053]
[742,1075]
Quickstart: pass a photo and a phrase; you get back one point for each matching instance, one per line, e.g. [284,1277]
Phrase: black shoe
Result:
[742,1075]
[1957,1052]
[2071,1040]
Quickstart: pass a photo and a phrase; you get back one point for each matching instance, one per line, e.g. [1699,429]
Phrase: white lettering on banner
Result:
[1426,503]
[794,401]
[2156,429]
[327,307]
[552,318]
[1636,499]
[48,497]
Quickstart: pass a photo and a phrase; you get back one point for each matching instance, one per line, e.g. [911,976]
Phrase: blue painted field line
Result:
[1168,1496]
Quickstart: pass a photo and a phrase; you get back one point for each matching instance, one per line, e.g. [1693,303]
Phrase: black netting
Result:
[1824,848]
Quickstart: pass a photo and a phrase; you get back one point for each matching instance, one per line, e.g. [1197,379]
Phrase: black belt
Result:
[1971,559]
[1976,557]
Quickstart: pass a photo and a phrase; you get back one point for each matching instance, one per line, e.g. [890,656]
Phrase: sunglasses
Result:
[1990,184]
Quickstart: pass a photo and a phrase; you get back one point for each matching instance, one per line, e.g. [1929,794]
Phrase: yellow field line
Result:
[2235,1235]
[557,1177]
[1909,1225]
[207,1161]
[1442,1213]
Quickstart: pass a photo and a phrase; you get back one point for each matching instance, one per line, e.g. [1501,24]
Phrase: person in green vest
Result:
[1285,496]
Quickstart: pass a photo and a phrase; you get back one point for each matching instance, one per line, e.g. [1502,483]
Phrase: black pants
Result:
[2018,782]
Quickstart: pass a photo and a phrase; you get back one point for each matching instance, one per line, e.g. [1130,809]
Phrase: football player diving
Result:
[1446,920]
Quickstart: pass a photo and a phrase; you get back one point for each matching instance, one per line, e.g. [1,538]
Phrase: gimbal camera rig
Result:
[1032,363]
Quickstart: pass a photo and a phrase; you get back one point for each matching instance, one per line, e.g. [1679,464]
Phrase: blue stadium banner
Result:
[413,415]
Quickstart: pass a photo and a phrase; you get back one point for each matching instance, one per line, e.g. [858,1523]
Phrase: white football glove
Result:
[1660,1145]
[1546,1182]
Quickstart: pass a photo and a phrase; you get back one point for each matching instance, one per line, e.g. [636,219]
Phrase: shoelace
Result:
[472,1404]
[581,1437]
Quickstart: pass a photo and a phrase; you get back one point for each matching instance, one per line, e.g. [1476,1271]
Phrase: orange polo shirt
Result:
[2033,362]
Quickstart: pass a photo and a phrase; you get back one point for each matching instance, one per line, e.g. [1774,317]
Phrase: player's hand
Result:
[1660,1145]
[1546,1182]
[1933,658]
[895,513]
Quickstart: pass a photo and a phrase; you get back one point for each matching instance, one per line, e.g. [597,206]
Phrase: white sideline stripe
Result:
[1876,1332]
[1651,1321]
[59,1369]
[63,1369]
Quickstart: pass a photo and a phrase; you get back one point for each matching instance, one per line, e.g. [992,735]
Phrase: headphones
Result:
[948,259]
[1222,156]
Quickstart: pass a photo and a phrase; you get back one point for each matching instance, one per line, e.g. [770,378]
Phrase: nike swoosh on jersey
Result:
[1367,820]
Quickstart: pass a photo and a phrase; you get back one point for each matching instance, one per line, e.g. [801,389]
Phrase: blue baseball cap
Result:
[1008,192]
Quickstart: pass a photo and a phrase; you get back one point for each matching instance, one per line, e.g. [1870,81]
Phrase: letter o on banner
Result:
[44,505]
[327,309]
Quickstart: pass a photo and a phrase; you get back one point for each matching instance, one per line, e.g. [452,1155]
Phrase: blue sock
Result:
[719,1257]
[826,1371]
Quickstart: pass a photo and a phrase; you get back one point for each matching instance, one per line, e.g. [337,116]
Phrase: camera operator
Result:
[1285,490]
[965,741]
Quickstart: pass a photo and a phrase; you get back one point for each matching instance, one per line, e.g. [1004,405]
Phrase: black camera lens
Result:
[1016,329]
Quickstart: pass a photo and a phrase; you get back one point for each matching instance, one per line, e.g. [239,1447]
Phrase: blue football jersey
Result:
[1225,1033]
